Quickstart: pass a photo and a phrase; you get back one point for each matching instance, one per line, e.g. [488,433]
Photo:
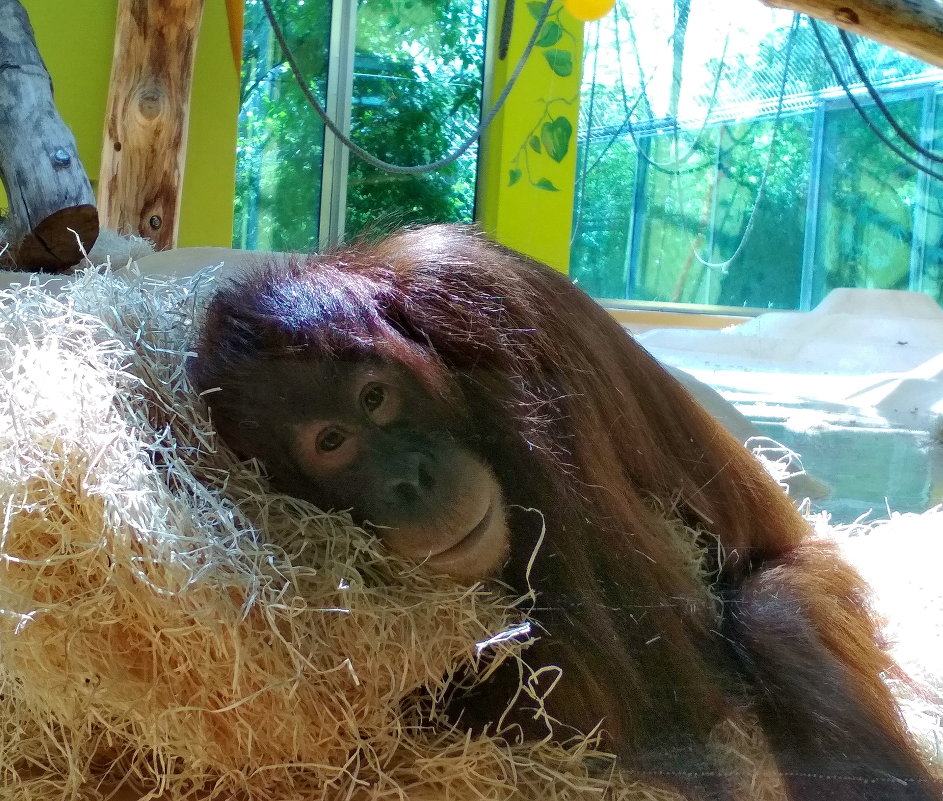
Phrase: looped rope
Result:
[761,189]
[362,154]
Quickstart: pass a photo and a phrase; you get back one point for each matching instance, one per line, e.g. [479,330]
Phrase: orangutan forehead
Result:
[327,387]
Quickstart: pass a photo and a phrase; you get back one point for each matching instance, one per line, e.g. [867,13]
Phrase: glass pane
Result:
[417,96]
[757,242]
[865,222]
[278,172]
[677,201]
[602,219]
[704,220]
[931,213]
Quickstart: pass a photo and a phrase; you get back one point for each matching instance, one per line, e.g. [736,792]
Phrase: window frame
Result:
[339,98]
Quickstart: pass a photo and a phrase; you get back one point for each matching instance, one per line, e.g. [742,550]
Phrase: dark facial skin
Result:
[370,441]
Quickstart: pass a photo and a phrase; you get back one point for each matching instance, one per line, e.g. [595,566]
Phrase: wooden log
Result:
[235,15]
[914,27]
[52,214]
[147,115]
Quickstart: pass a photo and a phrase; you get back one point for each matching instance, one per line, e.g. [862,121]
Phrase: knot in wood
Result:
[151,101]
[846,16]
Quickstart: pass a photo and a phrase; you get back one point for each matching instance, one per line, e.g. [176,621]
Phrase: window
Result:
[868,203]
[403,76]
[730,168]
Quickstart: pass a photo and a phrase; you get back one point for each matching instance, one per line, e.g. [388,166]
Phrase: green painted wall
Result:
[76,40]
[527,178]
[210,178]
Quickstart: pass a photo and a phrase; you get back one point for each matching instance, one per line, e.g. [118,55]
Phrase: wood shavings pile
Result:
[901,558]
[170,629]
[154,643]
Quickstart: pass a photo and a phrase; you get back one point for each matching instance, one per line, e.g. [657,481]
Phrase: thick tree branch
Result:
[911,26]
[52,213]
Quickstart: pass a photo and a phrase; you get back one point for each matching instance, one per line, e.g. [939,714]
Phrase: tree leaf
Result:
[536,9]
[560,61]
[513,177]
[555,136]
[546,184]
[535,144]
[550,35]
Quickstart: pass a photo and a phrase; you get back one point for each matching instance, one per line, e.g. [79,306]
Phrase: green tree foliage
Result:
[417,95]
[720,213]
[278,173]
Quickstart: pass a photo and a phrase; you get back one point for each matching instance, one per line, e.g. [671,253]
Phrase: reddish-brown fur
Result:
[583,424]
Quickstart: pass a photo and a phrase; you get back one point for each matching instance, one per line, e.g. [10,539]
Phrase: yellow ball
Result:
[588,10]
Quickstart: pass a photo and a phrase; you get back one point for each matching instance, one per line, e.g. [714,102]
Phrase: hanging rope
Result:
[672,166]
[583,156]
[761,189]
[628,108]
[362,154]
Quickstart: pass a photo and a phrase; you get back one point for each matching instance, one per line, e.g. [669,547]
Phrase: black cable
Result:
[861,112]
[879,102]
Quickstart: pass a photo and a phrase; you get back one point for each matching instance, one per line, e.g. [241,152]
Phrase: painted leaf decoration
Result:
[546,184]
[560,61]
[535,144]
[556,136]
[550,35]
[536,9]
[513,177]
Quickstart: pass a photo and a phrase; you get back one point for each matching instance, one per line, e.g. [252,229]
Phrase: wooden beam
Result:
[145,141]
[52,215]
[235,13]
[914,27]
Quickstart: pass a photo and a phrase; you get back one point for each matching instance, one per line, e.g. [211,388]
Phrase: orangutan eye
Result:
[330,440]
[372,397]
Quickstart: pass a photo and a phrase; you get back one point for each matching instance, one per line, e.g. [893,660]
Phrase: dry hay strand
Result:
[154,644]
[170,629]
[900,557]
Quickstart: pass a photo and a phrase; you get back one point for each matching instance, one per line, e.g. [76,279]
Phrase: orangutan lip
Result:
[470,538]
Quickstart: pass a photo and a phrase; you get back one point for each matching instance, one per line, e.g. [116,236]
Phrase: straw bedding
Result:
[171,629]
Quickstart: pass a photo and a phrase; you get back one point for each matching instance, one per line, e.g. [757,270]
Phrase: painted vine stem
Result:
[550,136]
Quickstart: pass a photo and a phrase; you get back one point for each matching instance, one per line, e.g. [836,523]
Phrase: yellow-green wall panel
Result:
[209,182]
[76,40]
[523,153]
